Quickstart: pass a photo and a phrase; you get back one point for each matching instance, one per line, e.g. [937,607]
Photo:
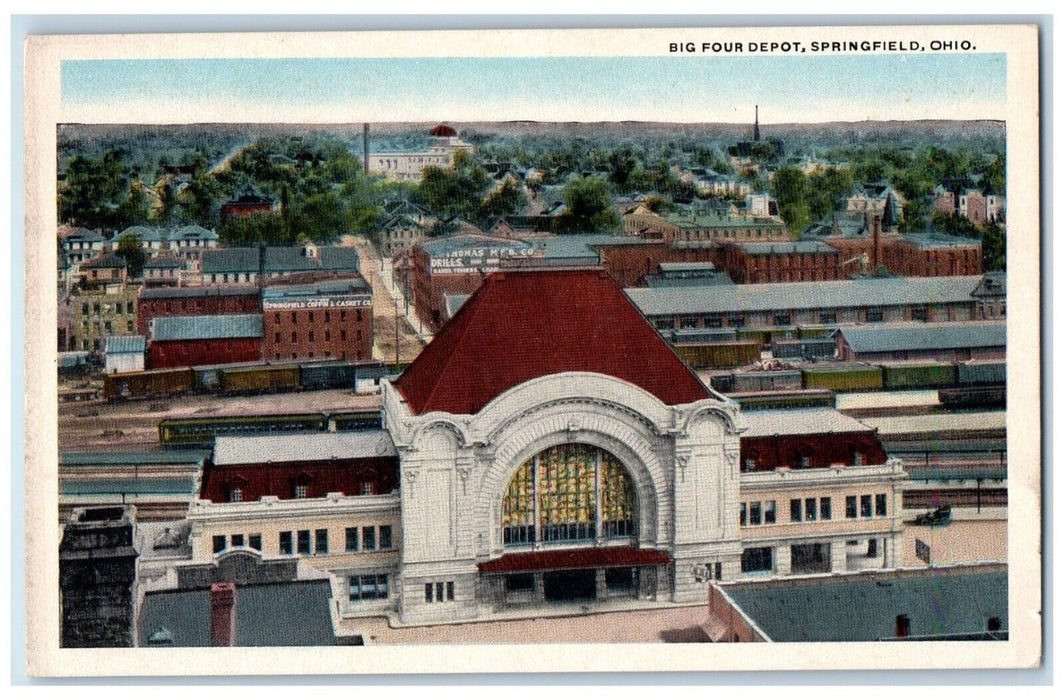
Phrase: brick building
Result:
[328,501]
[932,255]
[195,301]
[331,319]
[188,341]
[797,261]
[106,268]
[246,205]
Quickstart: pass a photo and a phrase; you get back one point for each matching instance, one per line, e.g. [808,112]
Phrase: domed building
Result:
[407,166]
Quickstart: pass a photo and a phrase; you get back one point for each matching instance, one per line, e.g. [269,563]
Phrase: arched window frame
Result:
[528,513]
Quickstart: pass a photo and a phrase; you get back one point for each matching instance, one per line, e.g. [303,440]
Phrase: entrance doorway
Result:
[569,585]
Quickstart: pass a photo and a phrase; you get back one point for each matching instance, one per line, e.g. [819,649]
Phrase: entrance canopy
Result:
[587,558]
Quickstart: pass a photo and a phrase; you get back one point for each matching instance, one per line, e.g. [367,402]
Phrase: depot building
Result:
[548,447]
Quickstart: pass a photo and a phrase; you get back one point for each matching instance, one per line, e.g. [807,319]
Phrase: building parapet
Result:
[334,504]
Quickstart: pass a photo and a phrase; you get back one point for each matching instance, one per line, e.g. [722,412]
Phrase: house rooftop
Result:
[126,344]
[805,421]
[289,614]
[314,447]
[863,292]
[206,327]
[923,336]
[939,603]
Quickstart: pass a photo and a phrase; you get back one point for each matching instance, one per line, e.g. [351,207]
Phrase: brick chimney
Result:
[223,614]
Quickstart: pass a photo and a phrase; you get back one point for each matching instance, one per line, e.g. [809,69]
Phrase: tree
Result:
[129,249]
[993,246]
[590,209]
[247,230]
[789,188]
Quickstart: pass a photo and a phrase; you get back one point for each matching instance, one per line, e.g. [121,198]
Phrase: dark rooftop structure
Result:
[280,260]
[933,604]
[289,613]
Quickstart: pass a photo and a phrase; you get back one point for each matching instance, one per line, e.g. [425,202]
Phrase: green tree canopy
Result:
[590,209]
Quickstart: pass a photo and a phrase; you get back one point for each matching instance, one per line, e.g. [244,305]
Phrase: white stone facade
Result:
[683,462]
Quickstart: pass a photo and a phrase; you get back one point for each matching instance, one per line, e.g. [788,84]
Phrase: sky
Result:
[673,88]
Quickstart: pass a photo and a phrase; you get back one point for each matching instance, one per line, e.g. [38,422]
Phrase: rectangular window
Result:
[825,509]
[810,509]
[300,491]
[369,539]
[450,590]
[874,316]
[321,541]
[294,336]
[881,505]
[755,513]
[781,319]
[851,506]
[351,539]
[429,598]
[756,559]
[367,488]
[219,543]
[770,512]
[343,335]
[796,510]
[255,542]
[866,506]
[236,540]
[368,587]
[386,536]
[736,320]
[919,313]
[439,591]
[285,544]
[303,542]
[716,571]
[742,514]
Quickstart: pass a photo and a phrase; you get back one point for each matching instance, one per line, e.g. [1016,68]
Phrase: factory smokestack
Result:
[365,147]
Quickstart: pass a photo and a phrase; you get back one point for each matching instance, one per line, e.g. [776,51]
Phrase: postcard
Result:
[526,350]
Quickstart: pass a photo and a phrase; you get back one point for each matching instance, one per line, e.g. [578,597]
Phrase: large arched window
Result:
[566,493]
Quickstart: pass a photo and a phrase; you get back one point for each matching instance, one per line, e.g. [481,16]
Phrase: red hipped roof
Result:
[520,325]
[590,558]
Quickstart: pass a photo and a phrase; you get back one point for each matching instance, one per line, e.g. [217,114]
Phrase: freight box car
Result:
[150,384]
[805,398]
[853,378]
[919,376]
[969,373]
[804,349]
[767,381]
[719,355]
[812,332]
[973,397]
[260,380]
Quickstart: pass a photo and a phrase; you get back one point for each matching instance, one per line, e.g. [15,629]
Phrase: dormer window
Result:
[236,495]
[300,491]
